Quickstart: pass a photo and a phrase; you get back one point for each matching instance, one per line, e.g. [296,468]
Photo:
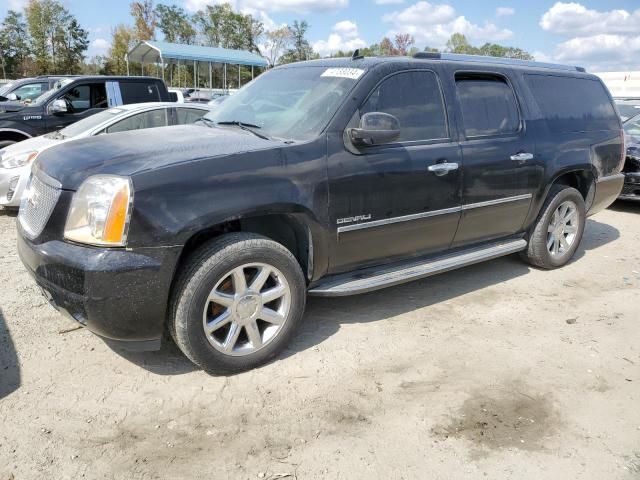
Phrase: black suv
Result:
[330,177]
[71,99]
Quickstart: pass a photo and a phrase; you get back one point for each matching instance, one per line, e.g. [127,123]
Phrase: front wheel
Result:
[558,230]
[237,303]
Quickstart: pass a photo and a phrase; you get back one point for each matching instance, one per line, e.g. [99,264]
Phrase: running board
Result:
[369,280]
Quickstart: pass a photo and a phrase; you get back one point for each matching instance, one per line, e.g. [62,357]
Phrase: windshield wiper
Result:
[249,127]
[206,121]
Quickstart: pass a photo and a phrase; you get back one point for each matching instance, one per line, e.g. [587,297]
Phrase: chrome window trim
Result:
[432,213]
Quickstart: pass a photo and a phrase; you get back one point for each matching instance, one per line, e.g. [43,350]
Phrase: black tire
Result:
[204,269]
[6,143]
[537,252]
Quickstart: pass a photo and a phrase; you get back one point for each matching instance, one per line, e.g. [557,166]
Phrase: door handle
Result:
[522,157]
[442,168]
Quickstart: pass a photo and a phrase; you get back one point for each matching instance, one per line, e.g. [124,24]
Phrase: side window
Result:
[415,99]
[150,119]
[85,96]
[189,115]
[139,92]
[488,105]
[571,104]
[30,91]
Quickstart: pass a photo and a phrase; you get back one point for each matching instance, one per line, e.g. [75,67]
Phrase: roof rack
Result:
[456,57]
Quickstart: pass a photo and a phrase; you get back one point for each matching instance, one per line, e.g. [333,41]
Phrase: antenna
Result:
[356,55]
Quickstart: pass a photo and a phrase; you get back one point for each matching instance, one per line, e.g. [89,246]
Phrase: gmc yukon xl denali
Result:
[330,177]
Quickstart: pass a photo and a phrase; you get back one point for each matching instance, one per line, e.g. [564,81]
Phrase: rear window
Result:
[488,105]
[139,92]
[573,104]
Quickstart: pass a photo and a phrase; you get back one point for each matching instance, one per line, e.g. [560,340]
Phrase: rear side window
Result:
[573,104]
[414,98]
[139,92]
[140,121]
[188,115]
[488,105]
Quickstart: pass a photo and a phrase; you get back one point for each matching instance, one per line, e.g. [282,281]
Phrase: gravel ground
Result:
[495,371]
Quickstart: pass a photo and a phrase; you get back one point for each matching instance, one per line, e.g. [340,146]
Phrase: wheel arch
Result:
[582,179]
[13,134]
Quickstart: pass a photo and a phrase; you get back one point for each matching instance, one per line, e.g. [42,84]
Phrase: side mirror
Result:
[58,106]
[375,128]
[12,97]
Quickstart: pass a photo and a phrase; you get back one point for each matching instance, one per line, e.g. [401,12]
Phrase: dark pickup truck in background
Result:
[71,99]
[330,177]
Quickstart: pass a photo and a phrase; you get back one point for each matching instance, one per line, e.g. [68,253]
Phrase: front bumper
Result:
[13,182]
[631,188]
[118,294]
[607,191]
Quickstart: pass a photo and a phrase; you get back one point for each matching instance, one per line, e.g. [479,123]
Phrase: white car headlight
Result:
[17,160]
[100,211]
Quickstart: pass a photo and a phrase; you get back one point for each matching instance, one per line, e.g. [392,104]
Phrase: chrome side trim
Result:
[432,213]
[405,218]
[360,282]
[497,201]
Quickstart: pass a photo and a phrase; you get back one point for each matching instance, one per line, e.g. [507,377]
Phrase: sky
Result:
[601,35]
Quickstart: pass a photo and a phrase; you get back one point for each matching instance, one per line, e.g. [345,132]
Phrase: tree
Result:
[122,38]
[221,26]
[175,24]
[300,49]
[403,42]
[458,44]
[276,43]
[144,17]
[58,42]
[387,48]
[14,44]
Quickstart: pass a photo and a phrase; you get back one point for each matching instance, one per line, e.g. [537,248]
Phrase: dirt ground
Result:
[495,371]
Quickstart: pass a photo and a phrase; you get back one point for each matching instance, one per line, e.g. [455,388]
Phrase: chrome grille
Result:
[36,206]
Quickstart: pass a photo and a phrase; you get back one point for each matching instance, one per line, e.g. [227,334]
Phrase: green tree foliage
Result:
[458,44]
[175,24]
[277,42]
[14,44]
[144,17]
[58,42]
[300,47]
[122,39]
[221,26]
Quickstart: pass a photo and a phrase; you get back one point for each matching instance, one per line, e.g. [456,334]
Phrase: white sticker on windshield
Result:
[352,73]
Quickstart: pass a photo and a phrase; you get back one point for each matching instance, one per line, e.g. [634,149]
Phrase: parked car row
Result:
[631,170]
[331,177]
[16,159]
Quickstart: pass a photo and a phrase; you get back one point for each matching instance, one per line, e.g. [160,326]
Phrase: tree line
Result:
[45,38]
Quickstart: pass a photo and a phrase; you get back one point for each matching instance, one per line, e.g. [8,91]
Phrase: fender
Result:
[14,131]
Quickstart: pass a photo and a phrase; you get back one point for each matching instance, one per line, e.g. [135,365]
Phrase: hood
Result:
[11,107]
[129,153]
[36,144]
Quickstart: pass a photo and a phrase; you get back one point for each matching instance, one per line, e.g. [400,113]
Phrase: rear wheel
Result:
[558,231]
[237,303]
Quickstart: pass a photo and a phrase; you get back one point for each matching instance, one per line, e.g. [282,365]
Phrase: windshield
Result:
[632,129]
[290,103]
[5,89]
[89,123]
[49,93]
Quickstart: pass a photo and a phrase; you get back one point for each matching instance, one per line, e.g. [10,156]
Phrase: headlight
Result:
[100,211]
[17,160]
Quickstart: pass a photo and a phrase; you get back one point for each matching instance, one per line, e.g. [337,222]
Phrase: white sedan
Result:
[16,159]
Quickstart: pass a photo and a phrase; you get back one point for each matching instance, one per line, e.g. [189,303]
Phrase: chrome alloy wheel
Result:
[246,309]
[562,229]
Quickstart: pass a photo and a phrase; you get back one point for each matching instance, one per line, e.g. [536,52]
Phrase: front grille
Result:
[36,206]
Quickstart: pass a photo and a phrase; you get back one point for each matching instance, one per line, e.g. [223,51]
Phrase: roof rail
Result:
[457,57]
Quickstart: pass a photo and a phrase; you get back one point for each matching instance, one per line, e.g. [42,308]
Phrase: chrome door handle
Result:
[522,157]
[442,168]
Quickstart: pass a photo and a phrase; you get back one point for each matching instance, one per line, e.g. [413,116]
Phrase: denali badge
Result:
[357,218]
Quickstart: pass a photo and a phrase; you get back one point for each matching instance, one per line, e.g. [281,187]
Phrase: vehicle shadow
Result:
[627,206]
[9,367]
[8,212]
[325,315]
[169,360]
